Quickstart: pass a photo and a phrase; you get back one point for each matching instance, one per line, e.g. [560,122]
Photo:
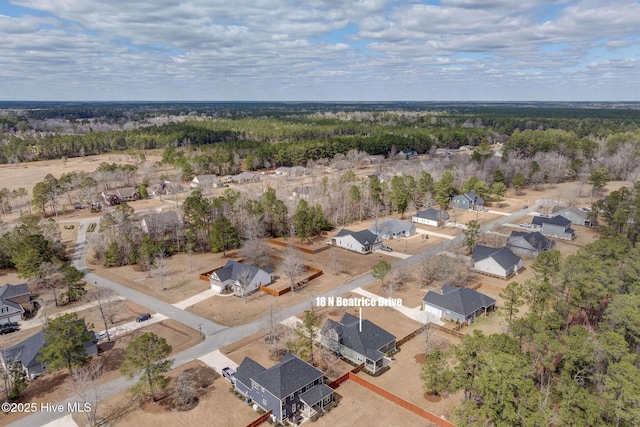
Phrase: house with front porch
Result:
[362,242]
[360,341]
[292,390]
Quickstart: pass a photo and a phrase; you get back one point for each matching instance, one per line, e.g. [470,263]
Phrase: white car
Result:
[101,335]
[525,225]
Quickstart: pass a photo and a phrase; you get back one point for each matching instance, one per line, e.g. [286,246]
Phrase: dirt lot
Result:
[54,387]
[216,406]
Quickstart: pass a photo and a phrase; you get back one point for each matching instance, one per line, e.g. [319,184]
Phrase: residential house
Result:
[363,242]
[530,244]
[292,171]
[443,152]
[303,192]
[245,177]
[390,228]
[557,226]
[431,216]
[27,352]
[15,300]
[408,154]
[463,305]
[291,390]
[499,262]
[241,279]
[204,181]
[160,223]
[359,341]
[573,214]
[467,201]
[119,195]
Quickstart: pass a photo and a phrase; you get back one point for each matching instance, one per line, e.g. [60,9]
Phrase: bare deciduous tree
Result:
[103,298]
[185,392]
[84,385]
[243,280]
[160,265]
[256,252]
[292,265]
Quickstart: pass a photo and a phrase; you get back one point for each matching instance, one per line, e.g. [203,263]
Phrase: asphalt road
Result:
[216,336]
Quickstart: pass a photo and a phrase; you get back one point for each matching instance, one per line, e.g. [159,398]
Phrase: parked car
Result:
[101,335]
[525,207]
[525,225]
[386,248]
[143,317]
[7,329]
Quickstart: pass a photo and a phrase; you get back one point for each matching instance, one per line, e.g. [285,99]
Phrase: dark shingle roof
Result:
[463,301]
[247,370]
[433,214]
[26,351]
[390,226]
[287,377]
[161,219]
[316,394]
[535,239]
[364,237]
[368,342]
[232,270]
[10,291]
[556,220]
[472,197]
[559,210]
[503,256]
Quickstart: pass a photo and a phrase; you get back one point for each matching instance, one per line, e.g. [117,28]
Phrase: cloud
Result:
[317,49]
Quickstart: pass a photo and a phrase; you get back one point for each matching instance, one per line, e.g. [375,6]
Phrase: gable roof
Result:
[233,269]
[287,377]
[556,220]
[472,197]
[503,256]
[26,351]
[433,214]
[559,210]
[368,342]
[247,369]
[390,226]
[535,239]
[161,219]
[364,237]
[124,191]
[463,301]
[8,291]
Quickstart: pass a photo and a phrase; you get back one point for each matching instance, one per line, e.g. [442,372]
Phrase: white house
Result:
[203,181]
[431,216]
[241,279]
[499,262]
[363,242]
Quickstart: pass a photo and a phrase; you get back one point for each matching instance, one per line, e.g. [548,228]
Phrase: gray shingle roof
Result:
[26,351]
[9,291]
[472,197]
[233,269]
[161,220]
[247,370]
[364,237]
[535,239]
[463,301]
[287,377]
[433,214]
[559,210]
[316,394]
[368,342]
[503,256]
[390,226]
[556,220]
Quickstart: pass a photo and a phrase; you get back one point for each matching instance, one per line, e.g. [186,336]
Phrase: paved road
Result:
[217,336]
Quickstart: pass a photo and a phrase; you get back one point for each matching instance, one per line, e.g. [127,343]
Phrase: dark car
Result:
[7,329]
[143,317]
[525,207]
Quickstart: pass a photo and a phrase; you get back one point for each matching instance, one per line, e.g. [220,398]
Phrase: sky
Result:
[320,50]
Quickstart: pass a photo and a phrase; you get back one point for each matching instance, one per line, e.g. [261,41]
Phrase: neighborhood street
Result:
[215,335]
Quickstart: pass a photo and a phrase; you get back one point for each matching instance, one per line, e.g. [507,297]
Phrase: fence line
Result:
[262,418]
[412,335]
[448,331]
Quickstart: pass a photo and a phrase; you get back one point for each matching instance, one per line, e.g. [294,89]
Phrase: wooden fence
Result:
[448,331]
[400,401]
[299,248]
[262,418]
[412,335]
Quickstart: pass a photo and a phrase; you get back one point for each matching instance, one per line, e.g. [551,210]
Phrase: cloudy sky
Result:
[320,50]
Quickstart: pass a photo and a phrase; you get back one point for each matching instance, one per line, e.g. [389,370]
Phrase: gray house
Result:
[431,216]
[242,279]
[467,201]
[14,301]
[458,304]
[26,353]
[557,226]
[159,223]
[529,244]
[390,228]
[573,214]
[292,389]
[363,242]
[361,342]
[207,181]
[499,262]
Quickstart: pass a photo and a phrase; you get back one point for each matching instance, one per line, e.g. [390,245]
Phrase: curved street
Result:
[215,335]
